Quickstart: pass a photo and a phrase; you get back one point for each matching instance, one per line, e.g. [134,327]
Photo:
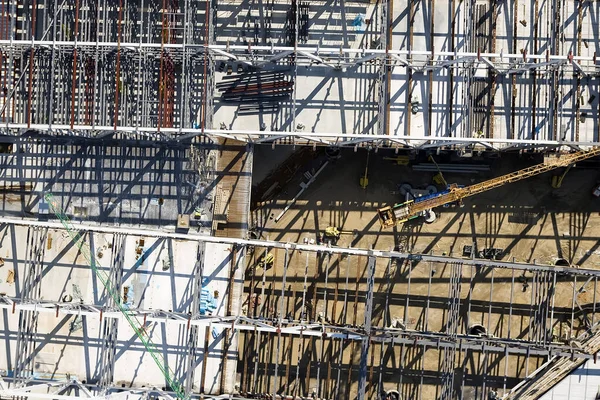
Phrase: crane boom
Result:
[389,216]
[136,325]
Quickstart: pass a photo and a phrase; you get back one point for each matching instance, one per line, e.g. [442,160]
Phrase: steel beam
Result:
[110,325]
[299,328]
[339,139]
[366,338]
[310,248]
[274,53]
[489,64]
[27,328]
[35,390]
[193,331]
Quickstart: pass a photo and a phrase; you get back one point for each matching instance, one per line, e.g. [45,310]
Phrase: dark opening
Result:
[477,330]
[561,262]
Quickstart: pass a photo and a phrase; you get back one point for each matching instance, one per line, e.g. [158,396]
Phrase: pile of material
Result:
[208,303]
[256,92]
[452,168]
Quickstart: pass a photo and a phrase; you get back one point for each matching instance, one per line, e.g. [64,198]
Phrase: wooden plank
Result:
[234,167]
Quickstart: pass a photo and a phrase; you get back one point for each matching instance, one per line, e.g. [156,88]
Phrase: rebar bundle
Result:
[257,92]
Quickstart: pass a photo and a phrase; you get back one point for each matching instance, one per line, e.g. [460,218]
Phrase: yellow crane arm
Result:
[460,193]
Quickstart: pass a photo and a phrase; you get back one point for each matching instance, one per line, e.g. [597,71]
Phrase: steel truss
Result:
[307,329]
[310,248]
[75,390]
[537,344]
[339,57]
[110,326]
[13,132]
[193,329]
[415,61]
[36,238]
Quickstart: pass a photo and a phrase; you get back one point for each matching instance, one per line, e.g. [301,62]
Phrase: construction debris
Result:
[10,277]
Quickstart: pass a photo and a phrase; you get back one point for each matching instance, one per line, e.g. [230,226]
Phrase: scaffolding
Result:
[112,286]
[100,68]
[148,70]
[455,341]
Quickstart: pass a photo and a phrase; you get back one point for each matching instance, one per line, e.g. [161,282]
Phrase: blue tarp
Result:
[360,23]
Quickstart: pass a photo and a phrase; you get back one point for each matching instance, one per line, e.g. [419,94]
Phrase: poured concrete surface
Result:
[61,349]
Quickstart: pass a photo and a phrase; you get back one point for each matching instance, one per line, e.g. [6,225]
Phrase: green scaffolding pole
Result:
[135,324]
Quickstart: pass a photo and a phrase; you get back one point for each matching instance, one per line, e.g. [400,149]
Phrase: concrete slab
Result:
[581,384]
[160,276]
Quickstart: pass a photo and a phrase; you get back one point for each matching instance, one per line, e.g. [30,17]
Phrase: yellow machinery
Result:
[557,180]
[332,234]
[266,261]
[390,216]
[400,160]
[439,177]
[364,180]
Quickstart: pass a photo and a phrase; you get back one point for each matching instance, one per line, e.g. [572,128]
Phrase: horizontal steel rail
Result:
[341,139]
[309,247]
[307,329]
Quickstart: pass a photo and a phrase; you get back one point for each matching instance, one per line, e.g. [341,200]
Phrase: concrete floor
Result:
[518,106]
[127,184]
[60,349]
[113,182]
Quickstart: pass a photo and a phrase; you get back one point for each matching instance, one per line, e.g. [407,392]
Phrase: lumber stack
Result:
[256,92]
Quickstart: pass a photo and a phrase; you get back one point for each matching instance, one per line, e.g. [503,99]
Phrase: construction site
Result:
[289,199]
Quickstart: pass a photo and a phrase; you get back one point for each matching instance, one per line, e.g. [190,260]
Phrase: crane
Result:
[136,325]
[390,216]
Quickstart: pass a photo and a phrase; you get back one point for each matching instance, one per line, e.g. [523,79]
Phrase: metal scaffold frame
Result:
[154,79]
[305,329]
[14,131]
[85,54]
[75,390]
[452,343]
[305,247]
[344,57]
[111,284]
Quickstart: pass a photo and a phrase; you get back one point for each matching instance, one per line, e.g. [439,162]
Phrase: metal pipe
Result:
[304,187]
